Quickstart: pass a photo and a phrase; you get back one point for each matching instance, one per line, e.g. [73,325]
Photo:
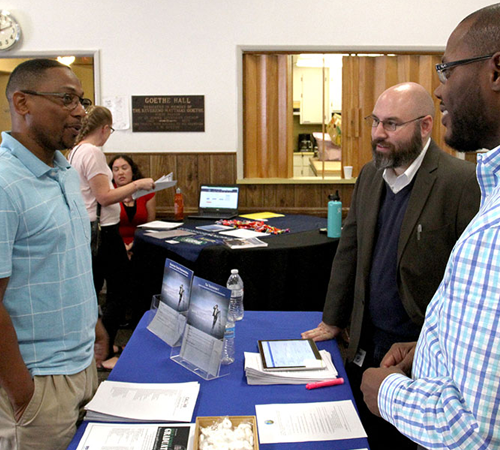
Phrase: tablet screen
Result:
[290,354]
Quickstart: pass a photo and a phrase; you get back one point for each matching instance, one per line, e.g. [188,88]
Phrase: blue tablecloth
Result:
[146,359]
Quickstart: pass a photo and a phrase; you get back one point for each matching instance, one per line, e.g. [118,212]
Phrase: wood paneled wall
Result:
[364,78]
[193,169]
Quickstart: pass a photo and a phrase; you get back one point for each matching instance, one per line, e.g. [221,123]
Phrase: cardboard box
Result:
[202,422]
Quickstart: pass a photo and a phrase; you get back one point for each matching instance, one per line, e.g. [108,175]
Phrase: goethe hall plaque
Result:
[168,113]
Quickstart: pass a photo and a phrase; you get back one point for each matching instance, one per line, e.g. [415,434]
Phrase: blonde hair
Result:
[97,116]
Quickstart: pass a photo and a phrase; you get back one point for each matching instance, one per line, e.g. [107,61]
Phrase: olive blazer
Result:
[444,199]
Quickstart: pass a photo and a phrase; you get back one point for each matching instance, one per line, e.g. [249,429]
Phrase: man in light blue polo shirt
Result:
[48,306]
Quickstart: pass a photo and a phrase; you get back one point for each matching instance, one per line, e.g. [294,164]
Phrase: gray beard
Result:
[401,155]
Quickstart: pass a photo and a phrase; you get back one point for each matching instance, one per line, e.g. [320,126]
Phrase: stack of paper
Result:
[257,375]
[159,225]
[115,401]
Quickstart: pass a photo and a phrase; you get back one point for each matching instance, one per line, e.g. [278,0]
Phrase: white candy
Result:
[222,436]
[239,434]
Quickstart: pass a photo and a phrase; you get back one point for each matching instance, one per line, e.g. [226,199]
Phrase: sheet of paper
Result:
[244,233]
[304,422]
[104,436]
[168,324]
[262,215]
[160,225]
[146,401]
[120,111]
[161,183]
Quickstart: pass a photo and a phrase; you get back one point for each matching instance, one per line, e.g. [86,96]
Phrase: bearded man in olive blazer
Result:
[409,207]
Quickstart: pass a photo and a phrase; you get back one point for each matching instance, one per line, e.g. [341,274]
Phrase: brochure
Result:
[203,338]
[245,243]
[176,286]
[170,318]
[164,436]
[214,228]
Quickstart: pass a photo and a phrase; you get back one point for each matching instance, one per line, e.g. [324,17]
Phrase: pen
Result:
[419,231]
[319,384]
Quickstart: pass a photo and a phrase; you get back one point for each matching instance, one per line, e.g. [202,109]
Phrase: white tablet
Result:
[290,354]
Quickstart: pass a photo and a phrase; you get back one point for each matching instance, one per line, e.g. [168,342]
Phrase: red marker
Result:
[320,384]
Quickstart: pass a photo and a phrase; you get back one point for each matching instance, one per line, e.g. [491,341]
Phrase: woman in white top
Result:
[111,261]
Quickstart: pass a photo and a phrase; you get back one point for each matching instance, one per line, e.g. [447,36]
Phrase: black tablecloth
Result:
[291,274]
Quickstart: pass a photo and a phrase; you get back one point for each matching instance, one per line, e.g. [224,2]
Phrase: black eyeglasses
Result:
[444,69]
[70,101]
[112,130]
[389,125]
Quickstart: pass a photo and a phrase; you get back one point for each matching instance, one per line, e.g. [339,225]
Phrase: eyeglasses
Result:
[389,125]
[444,69]
[112,130]
[70,101]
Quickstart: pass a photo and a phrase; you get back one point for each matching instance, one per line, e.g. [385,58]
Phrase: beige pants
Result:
[49,422]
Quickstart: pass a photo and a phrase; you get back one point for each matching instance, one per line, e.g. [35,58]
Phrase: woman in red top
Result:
[133,212]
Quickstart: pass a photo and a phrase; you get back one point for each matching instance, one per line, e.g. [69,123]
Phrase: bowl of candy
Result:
[226,433]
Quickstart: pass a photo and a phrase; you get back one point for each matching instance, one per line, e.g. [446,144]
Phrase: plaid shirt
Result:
[453,400]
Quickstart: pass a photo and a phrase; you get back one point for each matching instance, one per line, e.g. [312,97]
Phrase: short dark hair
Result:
[27,74]
[136,172]
[483,35]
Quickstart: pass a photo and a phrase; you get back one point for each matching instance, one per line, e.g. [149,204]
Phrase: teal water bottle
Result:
[334,216]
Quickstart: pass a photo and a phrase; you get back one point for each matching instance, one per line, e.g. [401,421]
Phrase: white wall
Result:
[189,47]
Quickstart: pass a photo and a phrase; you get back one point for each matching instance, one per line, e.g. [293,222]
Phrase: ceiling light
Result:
[66,60]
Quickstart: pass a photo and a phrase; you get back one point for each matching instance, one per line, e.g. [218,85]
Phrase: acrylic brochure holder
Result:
[190,315]
[176,355]
[203,337]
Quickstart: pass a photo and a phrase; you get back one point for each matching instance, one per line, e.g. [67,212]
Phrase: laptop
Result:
[217,202]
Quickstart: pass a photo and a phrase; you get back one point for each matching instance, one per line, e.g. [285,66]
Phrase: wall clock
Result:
[10,31]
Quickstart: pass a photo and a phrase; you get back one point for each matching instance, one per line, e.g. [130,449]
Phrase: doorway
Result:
[83,66]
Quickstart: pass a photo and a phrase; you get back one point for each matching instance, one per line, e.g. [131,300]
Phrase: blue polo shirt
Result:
[45,251]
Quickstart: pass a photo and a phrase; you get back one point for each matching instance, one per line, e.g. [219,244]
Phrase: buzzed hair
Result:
[27,74]
[483,36]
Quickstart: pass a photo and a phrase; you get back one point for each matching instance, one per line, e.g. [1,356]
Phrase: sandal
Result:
[109,364]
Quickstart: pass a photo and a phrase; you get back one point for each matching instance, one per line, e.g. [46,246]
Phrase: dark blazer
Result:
[444,198]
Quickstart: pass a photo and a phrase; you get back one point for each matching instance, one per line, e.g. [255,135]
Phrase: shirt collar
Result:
[29,160]
[488,166]
[395,182]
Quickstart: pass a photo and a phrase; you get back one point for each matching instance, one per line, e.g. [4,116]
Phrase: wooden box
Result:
[202,422]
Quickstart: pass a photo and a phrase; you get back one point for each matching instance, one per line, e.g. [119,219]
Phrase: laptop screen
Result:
[219,197]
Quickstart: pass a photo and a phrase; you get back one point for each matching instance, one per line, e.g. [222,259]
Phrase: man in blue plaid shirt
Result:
[452,398]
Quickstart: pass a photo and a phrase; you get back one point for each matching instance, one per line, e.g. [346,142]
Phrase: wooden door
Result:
[364,78]
[267,116]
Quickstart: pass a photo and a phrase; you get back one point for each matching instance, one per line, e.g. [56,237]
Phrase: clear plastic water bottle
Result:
[235,284]
[229,335]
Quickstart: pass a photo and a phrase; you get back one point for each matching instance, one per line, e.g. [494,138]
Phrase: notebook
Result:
[217,202]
